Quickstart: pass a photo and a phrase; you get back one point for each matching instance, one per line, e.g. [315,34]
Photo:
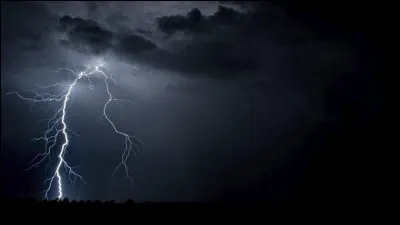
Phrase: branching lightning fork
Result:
[57,127]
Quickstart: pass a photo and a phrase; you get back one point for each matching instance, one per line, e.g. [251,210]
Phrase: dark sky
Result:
[232,101]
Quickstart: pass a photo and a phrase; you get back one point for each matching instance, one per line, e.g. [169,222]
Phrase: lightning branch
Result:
[57,128]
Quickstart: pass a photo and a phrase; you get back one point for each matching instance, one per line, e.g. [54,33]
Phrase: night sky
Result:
[232,101]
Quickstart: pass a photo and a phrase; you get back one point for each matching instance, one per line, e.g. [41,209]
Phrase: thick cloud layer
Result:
[34,32]
[195,22]
[85,36]
[224,44]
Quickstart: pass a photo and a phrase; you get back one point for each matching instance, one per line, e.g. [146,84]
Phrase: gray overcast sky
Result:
[225,97]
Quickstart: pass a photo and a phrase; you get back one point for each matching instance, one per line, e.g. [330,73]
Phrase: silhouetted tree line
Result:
[128,207]
[65,209]
[77,203]
[67,202]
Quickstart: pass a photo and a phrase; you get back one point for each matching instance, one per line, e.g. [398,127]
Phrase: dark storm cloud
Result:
[133,44]
[263,40]
[91,7]
[85,35]
[212,56]
[227,43]
[26,30]
[89,37]
[231,43]
[33,31]
[194,21]
[214,46]
[117,20]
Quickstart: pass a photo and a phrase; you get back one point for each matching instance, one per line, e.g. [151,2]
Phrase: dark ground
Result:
[341,170]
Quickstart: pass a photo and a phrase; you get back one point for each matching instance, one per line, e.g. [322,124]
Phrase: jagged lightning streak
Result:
[53,131]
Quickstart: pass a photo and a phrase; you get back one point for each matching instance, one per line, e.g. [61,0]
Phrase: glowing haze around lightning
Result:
[58,127]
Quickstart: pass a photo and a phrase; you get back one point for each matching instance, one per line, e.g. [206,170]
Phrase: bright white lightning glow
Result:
[57,125]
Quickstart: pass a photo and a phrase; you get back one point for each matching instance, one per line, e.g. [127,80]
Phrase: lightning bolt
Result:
[57,128]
